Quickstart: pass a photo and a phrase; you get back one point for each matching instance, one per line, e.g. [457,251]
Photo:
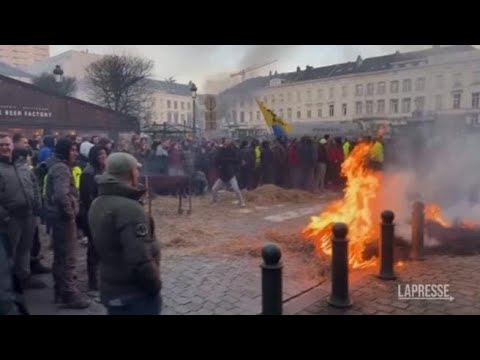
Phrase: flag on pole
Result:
[278,125]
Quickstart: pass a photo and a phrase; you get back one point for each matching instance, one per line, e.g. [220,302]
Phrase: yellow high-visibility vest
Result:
[376,153]
[76,172]
[258,156]
[346,149]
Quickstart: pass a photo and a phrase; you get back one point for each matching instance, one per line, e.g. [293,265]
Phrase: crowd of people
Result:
[91,186]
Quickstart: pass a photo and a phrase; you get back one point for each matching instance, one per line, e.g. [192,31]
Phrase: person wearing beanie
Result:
[124,237]
[62,207]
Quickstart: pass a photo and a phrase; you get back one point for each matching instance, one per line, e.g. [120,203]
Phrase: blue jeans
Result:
[151,305]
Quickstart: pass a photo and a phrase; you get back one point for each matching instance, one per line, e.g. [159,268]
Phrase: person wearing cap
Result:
[62,207]
[124,237]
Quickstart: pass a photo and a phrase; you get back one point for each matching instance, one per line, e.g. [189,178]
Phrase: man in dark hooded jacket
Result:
[227,163]
[62,207]
[88,192]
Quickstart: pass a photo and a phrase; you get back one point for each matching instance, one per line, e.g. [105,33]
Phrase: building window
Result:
[420,84]
[280,96]
[457,80]
[439,82]
[273,99]
[189,118]
[299,114]
[250,116]
[344,91]
[175,105]
[182,117]
[182,105]
[309,95]
[320,112]
[242,116]
[265,100]
[309,114]
[344,109]
[381,106]
[175,118]
[234,116]
[331,110]
[188,106]
[319,94]
[299,96]
[289,97]
[169,117]
[394,106]
[369,107]
[331,92]
[406,105]
[476,77]
[407,85]
[394,87]
[169,104]
[476,100]
[242,102]
[280,112]
[381,88]
[419,103]
[456,100]
[258,115]
[438,102]
[370,89]
[358,108]
[289,113]
[359,90]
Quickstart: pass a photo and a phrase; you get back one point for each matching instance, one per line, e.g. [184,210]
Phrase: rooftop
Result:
[378,63]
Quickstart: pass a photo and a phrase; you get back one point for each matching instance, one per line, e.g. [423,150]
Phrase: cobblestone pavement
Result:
[370,295]
[210,285]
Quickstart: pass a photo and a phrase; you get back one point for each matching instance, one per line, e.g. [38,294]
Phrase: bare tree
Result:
[121,83]
[46,81]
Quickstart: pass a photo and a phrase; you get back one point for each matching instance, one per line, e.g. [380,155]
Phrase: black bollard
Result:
[339,297]
[271,280]
[418,224]
[387,246]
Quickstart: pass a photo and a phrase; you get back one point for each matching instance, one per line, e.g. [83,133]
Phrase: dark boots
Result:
[72,301]
[37,268]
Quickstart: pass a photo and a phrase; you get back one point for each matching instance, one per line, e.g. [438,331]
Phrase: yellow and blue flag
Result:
[279,126]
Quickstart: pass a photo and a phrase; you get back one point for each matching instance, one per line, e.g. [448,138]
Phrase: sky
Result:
[201,63]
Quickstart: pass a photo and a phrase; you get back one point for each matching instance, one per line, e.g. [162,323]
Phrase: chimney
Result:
[359,60]
[298,68]
[270,74]
[276,73]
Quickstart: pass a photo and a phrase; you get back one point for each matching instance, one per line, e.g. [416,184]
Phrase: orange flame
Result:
[434,213]
[356,209]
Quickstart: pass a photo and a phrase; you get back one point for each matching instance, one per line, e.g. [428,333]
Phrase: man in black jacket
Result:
[227,163]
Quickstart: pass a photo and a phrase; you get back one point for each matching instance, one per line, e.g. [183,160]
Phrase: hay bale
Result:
[267,194]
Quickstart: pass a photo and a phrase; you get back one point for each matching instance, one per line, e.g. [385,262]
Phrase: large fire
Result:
[359,210]
[356,209]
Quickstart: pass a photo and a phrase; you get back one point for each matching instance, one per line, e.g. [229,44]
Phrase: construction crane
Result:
[251,68]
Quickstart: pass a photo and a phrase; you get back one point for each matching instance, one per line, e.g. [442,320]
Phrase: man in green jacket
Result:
[124,238]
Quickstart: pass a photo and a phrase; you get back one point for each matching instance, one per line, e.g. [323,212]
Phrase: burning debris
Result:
[360,208]
[356,209]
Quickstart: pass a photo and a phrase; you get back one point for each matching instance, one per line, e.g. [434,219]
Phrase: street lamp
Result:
[193,90]
[58,73]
